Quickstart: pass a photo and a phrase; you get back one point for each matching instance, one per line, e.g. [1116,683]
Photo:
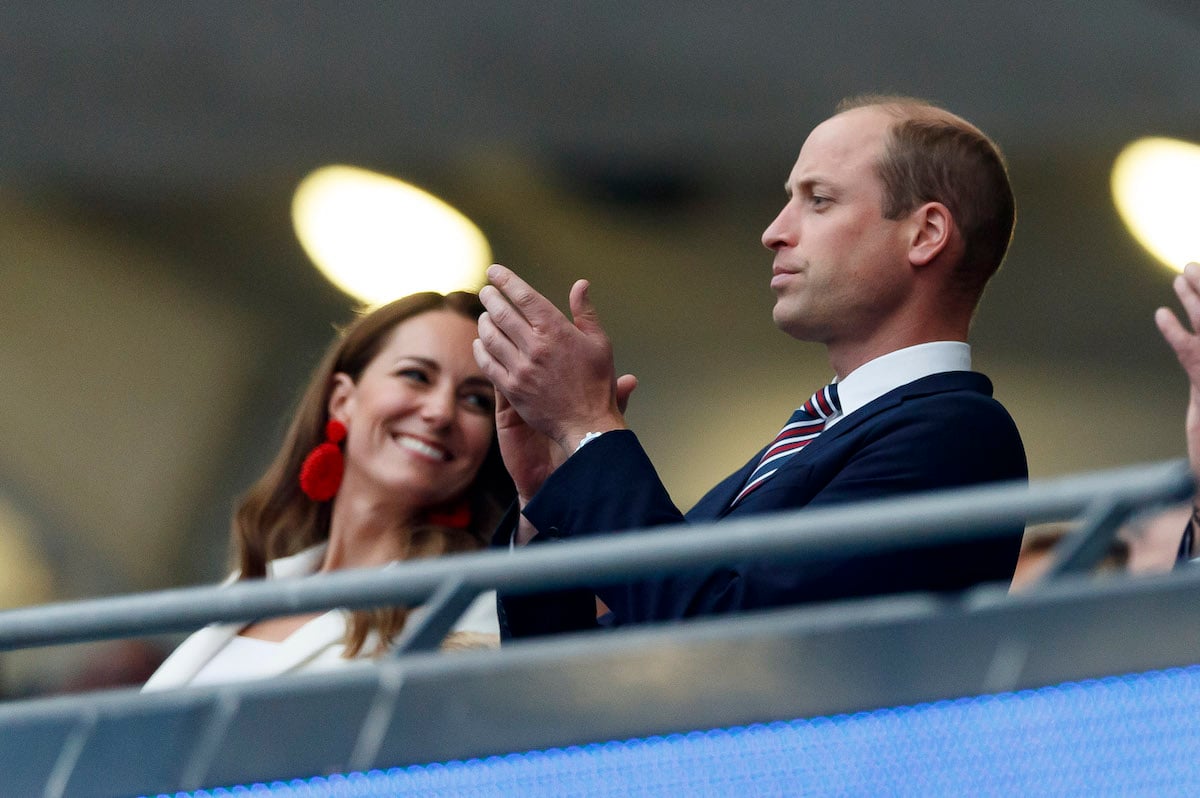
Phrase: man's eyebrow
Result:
[807,185]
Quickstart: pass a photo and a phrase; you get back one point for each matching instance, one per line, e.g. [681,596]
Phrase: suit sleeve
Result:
[609,485]
[927,445]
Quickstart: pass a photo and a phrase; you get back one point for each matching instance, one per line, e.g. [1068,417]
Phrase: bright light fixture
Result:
[378,238]
[1156,187]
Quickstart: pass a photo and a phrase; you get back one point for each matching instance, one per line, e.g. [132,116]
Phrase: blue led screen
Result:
[1135,735]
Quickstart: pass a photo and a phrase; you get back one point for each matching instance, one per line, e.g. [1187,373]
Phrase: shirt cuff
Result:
[587,438]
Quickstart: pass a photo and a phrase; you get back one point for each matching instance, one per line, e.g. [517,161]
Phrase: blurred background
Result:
[158,314]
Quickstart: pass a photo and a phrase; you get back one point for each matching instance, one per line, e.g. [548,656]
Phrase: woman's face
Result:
[420,418]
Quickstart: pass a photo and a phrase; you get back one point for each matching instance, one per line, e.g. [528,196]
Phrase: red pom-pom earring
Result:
[321,472]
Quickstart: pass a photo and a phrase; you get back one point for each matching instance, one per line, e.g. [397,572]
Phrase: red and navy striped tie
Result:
[804,425]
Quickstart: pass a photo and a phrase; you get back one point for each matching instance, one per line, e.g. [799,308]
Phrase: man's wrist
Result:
[575,440]
[587,438]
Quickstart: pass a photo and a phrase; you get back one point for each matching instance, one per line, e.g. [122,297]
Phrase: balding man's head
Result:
[932,155]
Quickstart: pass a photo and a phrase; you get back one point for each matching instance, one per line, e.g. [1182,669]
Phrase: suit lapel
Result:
[715,503]
[193,654]
[934,383]
[309,642]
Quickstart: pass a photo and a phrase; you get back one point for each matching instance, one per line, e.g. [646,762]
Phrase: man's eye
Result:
[818,200]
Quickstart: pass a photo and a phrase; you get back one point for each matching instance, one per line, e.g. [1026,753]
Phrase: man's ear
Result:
[932,231]
[341,397]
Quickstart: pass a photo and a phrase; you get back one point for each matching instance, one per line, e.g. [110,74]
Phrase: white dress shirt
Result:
[888,372]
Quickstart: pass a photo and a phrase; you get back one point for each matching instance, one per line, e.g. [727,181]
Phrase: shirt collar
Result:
[887,372]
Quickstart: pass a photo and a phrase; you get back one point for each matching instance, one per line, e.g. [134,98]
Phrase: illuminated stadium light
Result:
[378,238]
[1156,188]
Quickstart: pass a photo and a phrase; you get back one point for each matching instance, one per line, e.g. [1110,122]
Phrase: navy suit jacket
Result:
[941,431]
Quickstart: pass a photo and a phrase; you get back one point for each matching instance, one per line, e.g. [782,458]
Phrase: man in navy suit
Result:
[898,213]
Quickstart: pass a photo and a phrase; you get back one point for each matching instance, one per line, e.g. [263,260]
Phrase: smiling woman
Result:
[391,455]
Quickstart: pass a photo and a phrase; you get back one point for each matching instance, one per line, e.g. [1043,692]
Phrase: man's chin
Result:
[793,323]
[783,316]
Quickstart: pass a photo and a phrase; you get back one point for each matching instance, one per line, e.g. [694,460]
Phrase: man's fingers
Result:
[505,317]
[626,384]
[1187,288]
[583,312]
[506,414]
[534,308]
[1186,345]
[491,368]
[1191,272]
[1169,326]
[496,342]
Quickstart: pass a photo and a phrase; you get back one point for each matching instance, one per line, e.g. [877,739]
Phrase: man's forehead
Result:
[851,130]
[849,140]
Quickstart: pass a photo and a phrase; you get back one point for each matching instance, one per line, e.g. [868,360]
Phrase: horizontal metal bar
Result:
[863,528]
[1084,548]
[438,614]
[1074,629]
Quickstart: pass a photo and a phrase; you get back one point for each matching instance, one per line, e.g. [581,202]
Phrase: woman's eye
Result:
[481,401]
[413,374]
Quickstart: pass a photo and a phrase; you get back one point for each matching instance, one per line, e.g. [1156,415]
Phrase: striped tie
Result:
[804,425]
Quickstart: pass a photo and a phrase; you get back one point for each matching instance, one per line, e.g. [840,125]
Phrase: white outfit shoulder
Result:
[211,655]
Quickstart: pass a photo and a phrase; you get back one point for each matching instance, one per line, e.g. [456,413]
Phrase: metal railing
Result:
[576,689]
[445,586]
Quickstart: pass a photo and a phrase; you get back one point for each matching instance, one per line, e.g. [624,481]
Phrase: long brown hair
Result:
[276,519]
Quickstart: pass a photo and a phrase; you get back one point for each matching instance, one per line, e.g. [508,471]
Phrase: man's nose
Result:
[778,233]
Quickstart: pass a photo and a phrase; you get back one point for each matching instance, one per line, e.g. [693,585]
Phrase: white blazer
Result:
[316,646]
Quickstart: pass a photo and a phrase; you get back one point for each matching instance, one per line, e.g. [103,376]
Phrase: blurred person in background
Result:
[1153,542]
[1040,545]
[391,455]
[112,664]
[1186,344]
